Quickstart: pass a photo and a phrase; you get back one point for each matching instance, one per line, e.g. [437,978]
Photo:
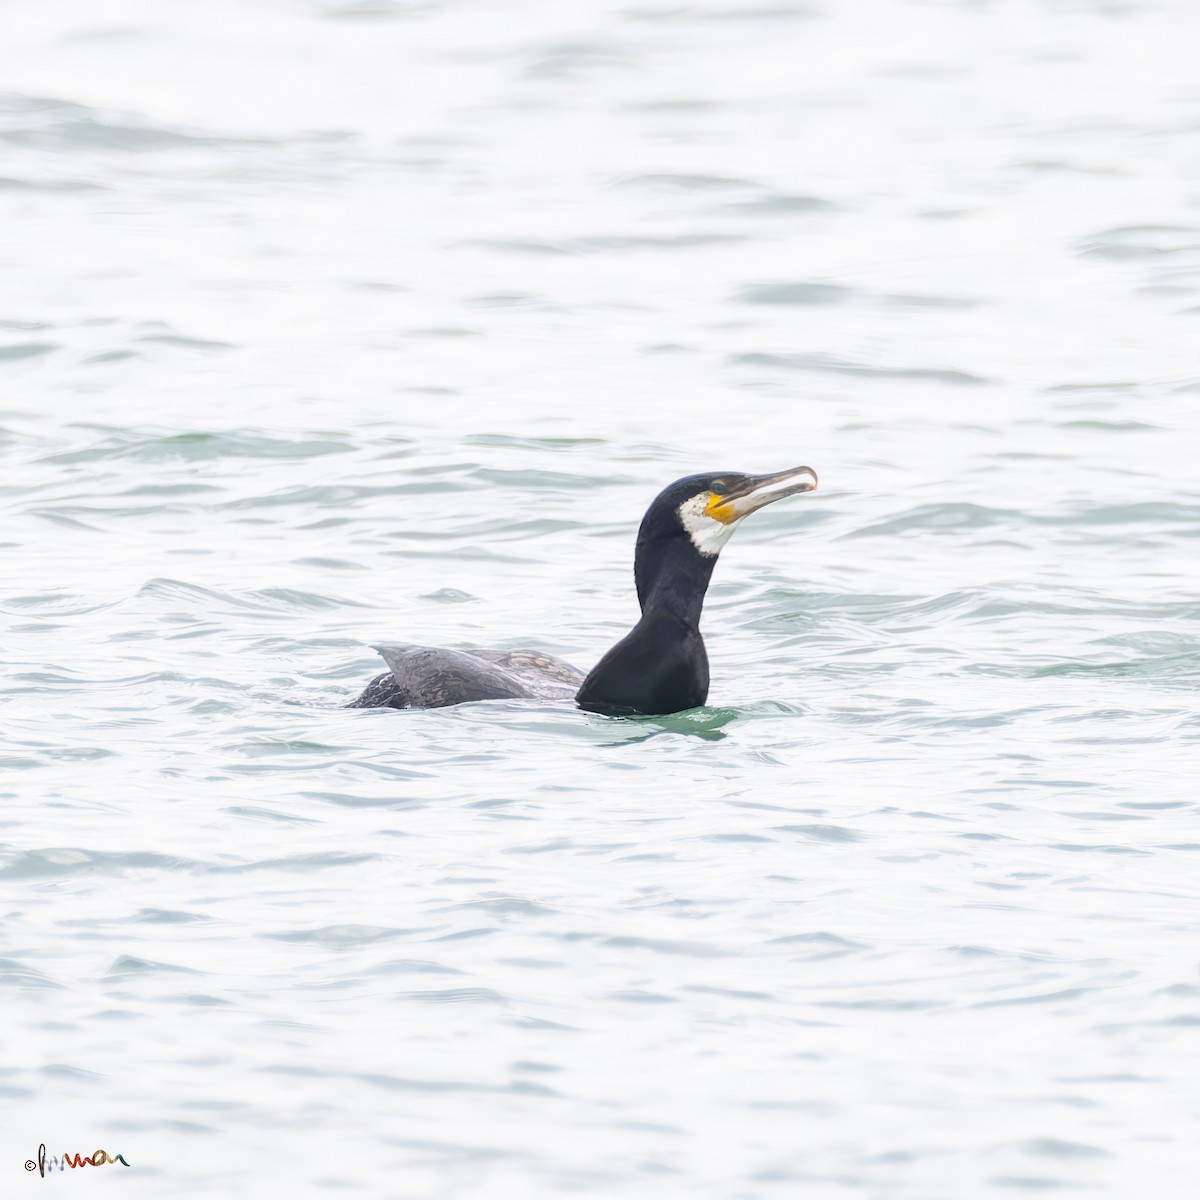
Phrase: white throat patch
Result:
[707,533]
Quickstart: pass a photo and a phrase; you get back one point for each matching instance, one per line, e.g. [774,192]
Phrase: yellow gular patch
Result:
[719,510]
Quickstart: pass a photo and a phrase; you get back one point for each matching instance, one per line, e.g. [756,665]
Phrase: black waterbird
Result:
[660,666]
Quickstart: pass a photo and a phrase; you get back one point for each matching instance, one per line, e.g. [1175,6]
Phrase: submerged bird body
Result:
[426,677]
[660,666]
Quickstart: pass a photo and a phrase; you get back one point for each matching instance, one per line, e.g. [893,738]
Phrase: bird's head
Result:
[708,508]
[700,513]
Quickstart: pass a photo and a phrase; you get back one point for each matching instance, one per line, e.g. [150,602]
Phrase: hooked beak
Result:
[759,491]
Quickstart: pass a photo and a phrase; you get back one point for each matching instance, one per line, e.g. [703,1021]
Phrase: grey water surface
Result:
[331,322]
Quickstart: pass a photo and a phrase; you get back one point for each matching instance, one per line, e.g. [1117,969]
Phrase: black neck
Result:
[660,666]
[672,577]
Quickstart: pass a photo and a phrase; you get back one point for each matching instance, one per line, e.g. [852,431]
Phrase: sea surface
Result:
[331,322]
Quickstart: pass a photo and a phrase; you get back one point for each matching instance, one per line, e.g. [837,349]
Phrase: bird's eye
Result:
[718,486]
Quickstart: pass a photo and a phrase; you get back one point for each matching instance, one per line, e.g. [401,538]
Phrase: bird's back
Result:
[431,677]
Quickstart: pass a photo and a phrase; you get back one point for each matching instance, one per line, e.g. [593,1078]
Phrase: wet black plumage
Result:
[660,666]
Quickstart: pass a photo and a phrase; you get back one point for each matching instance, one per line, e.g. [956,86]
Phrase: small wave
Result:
[687,949]
[293,598]
[19,350]
[128,964]
[475,995]
[345,800]
[683,183]
[539,480]
[912,300]
[413,966]
[293,863]
[340,936]
[48,124]
[1058,1148]
[822,833]
[641,996]
[939,518]
[832,364]
[577,62]
[664,241]
[197,447]
[512,299]
[183,341]
[502,906]
[1156,511]
[64,861]
[1141,241]
[14,973]
[1121,427]
[449,595]
[810,292]
[782,11]
[208,601]
[1033,998]
[781,204]
[347,9]
[57,604]
[1167,668]
[167,916]
[521,246]
[530,442]
[8,183]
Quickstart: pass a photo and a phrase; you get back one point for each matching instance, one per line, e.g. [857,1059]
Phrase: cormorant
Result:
[660,666]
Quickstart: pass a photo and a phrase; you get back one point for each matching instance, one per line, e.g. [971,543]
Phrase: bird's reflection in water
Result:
[705,723]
